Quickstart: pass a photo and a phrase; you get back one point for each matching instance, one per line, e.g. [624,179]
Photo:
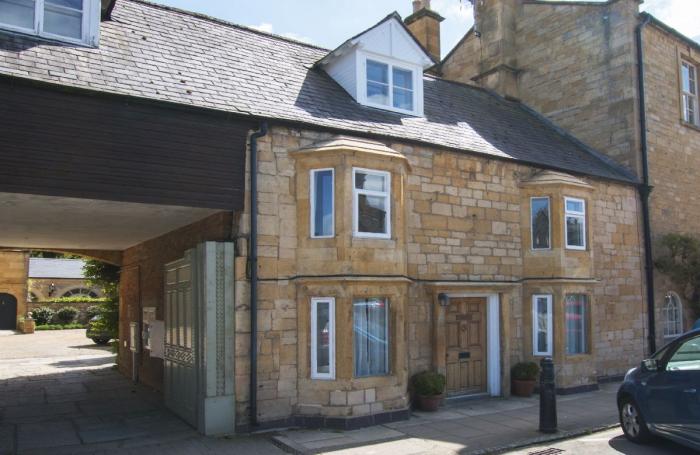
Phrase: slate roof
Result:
[156,52]
[56,268]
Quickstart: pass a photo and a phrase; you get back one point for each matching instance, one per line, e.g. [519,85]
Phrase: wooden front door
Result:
[465,333]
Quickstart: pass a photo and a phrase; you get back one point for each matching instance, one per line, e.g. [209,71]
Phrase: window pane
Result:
[377,72]
[574,206]
[371,212]
[323,203]
[576,309]
[323,335]
[539,212]
[542,324]
[18,13]
[370,337]
[403,99]
[75,4]
[685,72]
[377,93]
[574,231]
[672,316]
[403,79]
[63,22]
[372,182]
[687,357]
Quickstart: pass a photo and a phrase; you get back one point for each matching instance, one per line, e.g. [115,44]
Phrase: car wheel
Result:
[632,422]
[101,341]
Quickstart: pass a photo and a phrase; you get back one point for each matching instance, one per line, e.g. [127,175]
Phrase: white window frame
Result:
[586,328]
[679,323]
[417,79]
[90,25]
[355,203]
[696,119]
[550,327]
[549,217]
[575,214]
[331,338]
[387,328]
[312,203]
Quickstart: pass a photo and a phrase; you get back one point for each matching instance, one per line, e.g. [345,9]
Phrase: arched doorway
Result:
[8,311]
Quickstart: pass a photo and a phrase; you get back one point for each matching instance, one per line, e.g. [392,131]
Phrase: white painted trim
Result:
[575,214]
[549,219]
[493,338]
[550,327]
[664,313]
[331,338]
[386,194]
[416,71]
[90,25]
[312,203]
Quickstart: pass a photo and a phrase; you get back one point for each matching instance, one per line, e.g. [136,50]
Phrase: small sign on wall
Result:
[149,314]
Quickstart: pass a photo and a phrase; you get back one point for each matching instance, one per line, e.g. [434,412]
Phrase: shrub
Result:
[66,315]
[525,371]
[428,383]
[60,326]
[43,315]
[93,311]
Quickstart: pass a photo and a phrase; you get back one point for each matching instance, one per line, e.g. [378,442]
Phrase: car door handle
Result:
[689,391]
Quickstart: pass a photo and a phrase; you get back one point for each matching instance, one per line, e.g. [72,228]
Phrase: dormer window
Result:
[73,21]
[382,67]
[389,85]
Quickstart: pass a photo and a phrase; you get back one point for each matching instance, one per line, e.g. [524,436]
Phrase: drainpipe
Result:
[645,188]
[254,272]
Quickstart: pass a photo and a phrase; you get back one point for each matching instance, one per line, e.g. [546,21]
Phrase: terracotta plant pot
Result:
[429,403]
[523,388]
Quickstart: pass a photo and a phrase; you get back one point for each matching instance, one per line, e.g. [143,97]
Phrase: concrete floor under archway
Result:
[61,394]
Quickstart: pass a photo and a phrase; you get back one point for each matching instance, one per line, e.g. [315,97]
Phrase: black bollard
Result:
[548,397]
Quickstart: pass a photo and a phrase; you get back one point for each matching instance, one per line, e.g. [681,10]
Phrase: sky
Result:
[327,23]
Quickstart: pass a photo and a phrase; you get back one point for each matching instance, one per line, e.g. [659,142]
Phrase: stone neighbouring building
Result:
[13,287]
[576,63]
[405,222]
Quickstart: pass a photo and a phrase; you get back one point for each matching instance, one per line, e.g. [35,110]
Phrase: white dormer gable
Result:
[382,67]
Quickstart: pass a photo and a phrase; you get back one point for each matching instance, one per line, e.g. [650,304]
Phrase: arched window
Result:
[673,315]
[80,292]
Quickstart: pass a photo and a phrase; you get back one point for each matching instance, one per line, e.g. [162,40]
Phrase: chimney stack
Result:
[424,23]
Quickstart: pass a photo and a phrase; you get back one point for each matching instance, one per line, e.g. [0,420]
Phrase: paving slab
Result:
[463,427]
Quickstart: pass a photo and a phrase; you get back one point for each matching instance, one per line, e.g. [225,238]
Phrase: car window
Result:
[687,357]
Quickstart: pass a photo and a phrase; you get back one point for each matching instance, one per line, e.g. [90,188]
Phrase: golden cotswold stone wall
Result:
[457,227]
[13,277]
[573,63]
[674,151]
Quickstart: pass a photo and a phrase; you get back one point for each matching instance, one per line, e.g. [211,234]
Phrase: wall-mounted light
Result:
[52,289]
[443,300]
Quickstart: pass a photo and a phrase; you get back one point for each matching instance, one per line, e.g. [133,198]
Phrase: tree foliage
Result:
[679,259]
[106,276]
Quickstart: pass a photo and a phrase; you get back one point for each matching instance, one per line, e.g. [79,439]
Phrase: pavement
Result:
[61,394]
[469,427]
[605,443]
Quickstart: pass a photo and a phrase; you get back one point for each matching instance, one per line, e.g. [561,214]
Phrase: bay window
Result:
[371,336]
[321,201]
[575,223]
[323,338]
[576,311]
[542,324]
[371,203]
[66,20]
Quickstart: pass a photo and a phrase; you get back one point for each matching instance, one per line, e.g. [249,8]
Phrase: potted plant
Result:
[524,376]
[427,388]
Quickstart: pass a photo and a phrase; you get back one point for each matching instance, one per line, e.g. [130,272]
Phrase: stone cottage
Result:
[318,225]
[619,80]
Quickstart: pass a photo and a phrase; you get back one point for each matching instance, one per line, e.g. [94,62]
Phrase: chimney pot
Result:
[420,4]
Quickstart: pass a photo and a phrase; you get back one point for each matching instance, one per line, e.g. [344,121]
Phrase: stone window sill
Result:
[692,126]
